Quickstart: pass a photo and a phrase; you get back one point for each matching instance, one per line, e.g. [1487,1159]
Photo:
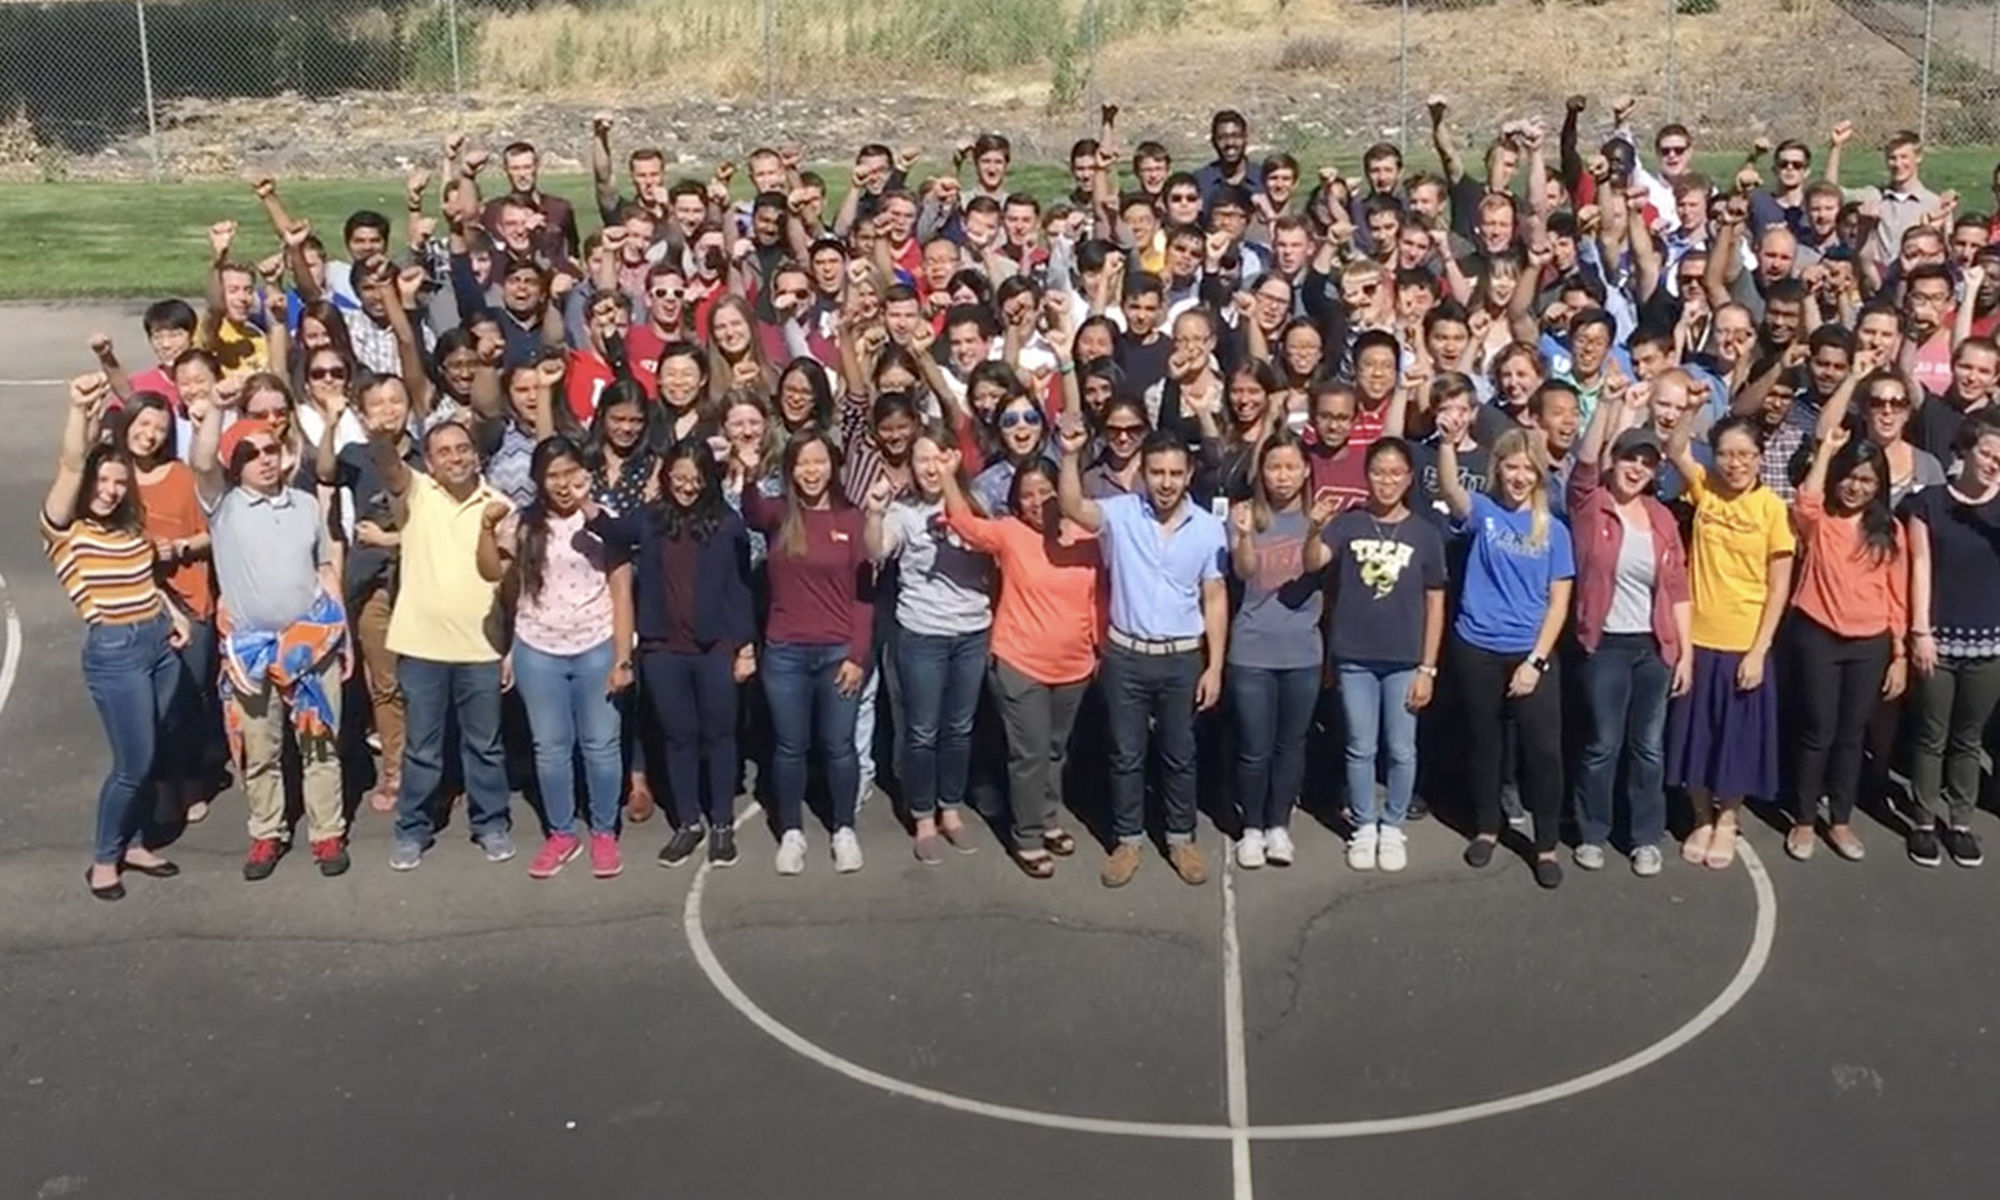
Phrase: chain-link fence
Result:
[176,88]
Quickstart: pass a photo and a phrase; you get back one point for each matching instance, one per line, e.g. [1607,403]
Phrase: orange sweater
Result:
[1843,585]
[1049,620]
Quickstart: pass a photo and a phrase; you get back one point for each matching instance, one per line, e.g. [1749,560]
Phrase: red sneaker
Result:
[331,855]
[262,859]
[605,861]
[557,851]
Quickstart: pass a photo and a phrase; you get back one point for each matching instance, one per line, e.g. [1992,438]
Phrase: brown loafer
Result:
[1121,866]
[1188,863]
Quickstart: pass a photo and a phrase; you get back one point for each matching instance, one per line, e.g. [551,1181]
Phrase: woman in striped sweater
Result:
[93,533]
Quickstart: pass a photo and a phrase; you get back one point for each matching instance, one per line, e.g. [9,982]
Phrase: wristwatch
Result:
[1539,663]
[1427,670]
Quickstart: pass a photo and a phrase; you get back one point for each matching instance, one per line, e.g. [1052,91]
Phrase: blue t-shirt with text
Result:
[1507,578]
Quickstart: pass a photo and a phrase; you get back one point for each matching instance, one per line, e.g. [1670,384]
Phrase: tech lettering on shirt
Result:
[1383,561]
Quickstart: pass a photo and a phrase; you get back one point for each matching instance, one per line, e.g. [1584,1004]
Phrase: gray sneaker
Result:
[406,856]
[1590,856]
[1646,861]
[499,846]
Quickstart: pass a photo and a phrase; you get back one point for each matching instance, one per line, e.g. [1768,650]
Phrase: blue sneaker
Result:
[499,846]
[406,856]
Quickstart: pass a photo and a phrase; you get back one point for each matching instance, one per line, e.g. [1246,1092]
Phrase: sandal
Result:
[1059,842]
[1035,864]
[1722,849]
[1694,850]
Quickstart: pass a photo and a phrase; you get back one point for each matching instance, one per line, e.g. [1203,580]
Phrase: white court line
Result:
[1762,937]
[33,382]
[10,665]
[1236,1066]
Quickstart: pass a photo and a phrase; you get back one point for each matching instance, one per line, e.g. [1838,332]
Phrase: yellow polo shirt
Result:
[445,612]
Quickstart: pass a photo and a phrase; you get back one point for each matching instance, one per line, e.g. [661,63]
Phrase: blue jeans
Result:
[941,681]
[1151,695]
[569,711]
[807,710]
[434,692]
[1625,687]
[693,699]
[131,673]
[1373,699]
[1273,709]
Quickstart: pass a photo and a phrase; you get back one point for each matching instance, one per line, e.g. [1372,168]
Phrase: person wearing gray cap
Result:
[1633,612]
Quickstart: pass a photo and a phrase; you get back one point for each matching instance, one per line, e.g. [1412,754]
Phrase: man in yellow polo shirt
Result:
[446,632]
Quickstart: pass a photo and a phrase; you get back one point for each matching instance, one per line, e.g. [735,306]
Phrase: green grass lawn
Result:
[69,241]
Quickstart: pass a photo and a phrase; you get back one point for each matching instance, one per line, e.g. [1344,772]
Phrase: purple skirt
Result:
[1722,739]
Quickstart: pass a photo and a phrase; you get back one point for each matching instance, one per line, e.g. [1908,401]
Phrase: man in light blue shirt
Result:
[1169,621]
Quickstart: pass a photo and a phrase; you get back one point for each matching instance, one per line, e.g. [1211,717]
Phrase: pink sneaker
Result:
[558,850]
[605,861]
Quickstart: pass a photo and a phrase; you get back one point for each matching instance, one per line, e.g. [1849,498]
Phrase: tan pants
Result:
[263,717]
[385,699]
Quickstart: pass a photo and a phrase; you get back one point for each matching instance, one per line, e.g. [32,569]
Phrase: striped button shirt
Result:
[107,573]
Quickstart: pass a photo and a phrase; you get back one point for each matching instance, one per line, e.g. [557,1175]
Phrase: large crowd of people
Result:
[1569,491]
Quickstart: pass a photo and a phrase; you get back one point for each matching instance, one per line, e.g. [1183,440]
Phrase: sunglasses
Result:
[327,373]
[1184,198]
[1672,151]
[1889,403]
[1792,164]
[260,452]
[1123,431]
[1009,420]
[265,414]
[665,293]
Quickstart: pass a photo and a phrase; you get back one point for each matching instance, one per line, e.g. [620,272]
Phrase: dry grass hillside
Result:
[707,77]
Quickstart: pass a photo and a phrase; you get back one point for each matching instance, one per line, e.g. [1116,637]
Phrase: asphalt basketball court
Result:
[1777,1029]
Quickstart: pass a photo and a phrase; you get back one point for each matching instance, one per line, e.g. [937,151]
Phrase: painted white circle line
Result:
[1754,961]
[10,662]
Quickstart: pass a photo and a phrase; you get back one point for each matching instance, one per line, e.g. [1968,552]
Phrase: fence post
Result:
[146,73]
[1673,60]
[1403,75]
[768,23]
[457,76]
[1924,94]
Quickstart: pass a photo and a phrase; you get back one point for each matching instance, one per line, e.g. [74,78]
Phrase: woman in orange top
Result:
[1046,629]
[171,516]
[1853,611]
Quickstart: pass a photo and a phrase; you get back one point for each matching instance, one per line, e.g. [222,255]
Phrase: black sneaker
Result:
[1478,852]
[681,846]
[1963,847]
[1548,873]
[722,848]
[1418,810]
[1923,845]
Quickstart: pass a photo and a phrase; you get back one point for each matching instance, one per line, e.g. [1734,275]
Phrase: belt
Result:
[1157,647]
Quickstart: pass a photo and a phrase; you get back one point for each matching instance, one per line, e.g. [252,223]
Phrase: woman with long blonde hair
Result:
[1519,572]
[735,357]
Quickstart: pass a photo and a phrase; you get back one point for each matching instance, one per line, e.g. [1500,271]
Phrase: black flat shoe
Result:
[159,870]
[113,891]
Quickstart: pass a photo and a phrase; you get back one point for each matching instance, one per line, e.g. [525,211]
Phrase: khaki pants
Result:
[263,719]
[385,697]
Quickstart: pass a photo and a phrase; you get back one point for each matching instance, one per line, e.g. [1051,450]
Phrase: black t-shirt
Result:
[1936,424]
[369,567]
[1144,365]
[1381,572]
[1965,563]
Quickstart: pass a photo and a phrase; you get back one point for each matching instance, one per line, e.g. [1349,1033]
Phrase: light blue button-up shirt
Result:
[1157,571]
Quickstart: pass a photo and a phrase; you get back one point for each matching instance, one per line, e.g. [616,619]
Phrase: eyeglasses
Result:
[1026,416]
[265,414]
[327,373]
[1184,198]
[1123,431]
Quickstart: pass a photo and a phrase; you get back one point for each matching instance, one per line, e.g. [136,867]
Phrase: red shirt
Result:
[155,379]
[1344,472]
[643,347]
[584,379]
[816,598]
[1367,427]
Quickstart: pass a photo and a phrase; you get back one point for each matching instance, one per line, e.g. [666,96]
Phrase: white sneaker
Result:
[1278,846]
[1392,849]
[846,851]
[1361,848]
[1250,849]
[1646,861]
[792,852]
[1589,856]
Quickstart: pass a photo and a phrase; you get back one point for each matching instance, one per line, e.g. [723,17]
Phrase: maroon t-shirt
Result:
[816,597]
[679,560]
[1344,472]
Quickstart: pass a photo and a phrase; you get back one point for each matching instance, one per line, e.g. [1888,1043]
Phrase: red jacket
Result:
[1597,533]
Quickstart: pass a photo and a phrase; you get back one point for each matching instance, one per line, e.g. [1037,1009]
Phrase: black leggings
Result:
[1840,681]
[1537,721]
